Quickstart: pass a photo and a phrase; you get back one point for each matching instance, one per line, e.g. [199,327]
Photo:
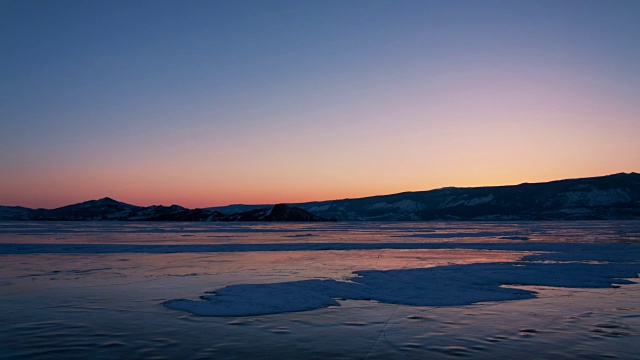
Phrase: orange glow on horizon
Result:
[412,97]
[200,197]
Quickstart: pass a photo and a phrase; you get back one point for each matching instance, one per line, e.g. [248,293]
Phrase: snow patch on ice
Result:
[241,300]
[438,286]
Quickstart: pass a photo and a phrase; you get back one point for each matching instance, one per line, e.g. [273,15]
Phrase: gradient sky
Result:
[205,103]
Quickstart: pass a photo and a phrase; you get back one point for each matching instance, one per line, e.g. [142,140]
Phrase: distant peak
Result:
[624,174]
[108,201]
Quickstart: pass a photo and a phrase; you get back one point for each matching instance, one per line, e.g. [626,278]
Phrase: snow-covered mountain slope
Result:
[15,212]
[607,197]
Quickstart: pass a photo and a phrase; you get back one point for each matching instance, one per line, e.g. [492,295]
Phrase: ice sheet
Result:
[96,290]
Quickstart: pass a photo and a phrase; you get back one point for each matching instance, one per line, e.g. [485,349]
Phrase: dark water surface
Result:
[100,290]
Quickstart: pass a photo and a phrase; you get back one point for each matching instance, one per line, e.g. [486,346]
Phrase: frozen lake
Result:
[109,290]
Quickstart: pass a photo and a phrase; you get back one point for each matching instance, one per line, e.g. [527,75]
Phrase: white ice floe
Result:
[437,286]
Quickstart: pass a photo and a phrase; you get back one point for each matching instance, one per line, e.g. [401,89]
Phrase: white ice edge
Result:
[437,286]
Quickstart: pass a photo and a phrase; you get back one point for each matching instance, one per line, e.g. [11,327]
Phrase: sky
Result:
[207,103]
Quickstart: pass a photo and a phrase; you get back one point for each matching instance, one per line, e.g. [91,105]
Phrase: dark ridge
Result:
[609,197]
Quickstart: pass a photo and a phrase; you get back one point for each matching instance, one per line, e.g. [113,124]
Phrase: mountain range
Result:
[110,209]
[614,196]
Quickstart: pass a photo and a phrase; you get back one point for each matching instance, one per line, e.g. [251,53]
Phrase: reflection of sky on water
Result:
[110,304]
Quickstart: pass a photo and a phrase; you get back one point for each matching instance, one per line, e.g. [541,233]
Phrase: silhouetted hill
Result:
[109,209]
[279,212]
[606,197]
[103,209]
[15,213]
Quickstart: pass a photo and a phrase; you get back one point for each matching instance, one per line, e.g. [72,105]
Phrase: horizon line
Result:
[340,199]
